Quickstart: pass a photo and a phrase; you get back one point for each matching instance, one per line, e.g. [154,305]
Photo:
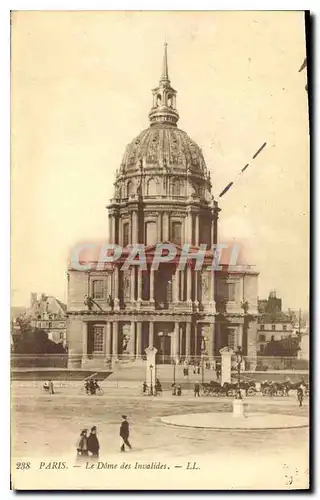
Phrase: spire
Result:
[164,98]
[165,75]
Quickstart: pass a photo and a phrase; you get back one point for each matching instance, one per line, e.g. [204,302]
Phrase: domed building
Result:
[162,194]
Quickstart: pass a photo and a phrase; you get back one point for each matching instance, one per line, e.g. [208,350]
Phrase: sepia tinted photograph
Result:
[159,250]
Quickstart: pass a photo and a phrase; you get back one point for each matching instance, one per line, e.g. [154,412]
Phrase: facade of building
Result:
[162,194]
[273,324]
[49,314]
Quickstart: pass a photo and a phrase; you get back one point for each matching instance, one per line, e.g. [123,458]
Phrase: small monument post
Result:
[226,354]
[151,371]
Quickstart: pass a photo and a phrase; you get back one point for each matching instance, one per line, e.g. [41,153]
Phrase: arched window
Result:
[125,234]
[176,188]
[130,188]
[176,232]
[170,101]
[151,233]
[158,100]
[152,187]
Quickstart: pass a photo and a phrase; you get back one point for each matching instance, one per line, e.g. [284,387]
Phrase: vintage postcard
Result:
[160,258]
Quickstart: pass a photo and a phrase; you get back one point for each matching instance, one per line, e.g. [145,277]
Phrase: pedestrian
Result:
[179,390]
[124,433]
[51,391]
[197,389]
[300,395]
[93,443]
[82,446]
[174,389]
[144,387]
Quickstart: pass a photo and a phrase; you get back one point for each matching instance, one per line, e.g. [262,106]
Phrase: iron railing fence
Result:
[123,362]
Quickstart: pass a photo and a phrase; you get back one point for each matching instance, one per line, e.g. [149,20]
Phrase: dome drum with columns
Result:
[162,193]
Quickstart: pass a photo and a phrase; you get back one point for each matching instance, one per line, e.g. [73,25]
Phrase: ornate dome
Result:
[165,146]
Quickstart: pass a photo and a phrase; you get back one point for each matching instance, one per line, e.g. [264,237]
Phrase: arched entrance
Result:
[162,341]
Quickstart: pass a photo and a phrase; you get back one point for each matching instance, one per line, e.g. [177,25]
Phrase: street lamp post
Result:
[239,361]
[151,383]
[238,410]
[203,348]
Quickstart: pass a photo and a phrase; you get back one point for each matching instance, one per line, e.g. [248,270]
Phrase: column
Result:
[212,301]
[120,232]
[197,235]
[180,341]
[196,285]
[134,235]
[133,283]
[151,333]
[84,341]
[211,344]
[165,227]
[189,228]
[139,338]
[108,339]
[111,231]
[115,335]
[151,285]
[131,349]
[116,287]
[188,340]
[159,228]
[178,285]
[189,281]
[139,284]
[213,242]
[182,275]
[175,339]
[174,288]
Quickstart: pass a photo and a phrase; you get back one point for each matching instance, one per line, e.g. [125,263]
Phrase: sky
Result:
[81,91]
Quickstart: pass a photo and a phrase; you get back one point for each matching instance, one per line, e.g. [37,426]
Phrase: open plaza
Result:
[47,428]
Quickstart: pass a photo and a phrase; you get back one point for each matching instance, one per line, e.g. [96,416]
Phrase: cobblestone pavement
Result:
[48,426]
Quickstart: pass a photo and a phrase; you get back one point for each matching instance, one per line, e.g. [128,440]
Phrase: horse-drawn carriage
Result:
[251,388]
[214,388]
[282,388]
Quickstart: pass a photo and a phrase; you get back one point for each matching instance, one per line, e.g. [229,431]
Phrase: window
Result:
[125,234]
[261,347]
[98,331]
[261,327]
[284,327]
[231,291]
[176,233]
[232,338]
[262,338]
[50,324]
[226,291]
[176,188]
[97,289]
[273,327]
[151,233]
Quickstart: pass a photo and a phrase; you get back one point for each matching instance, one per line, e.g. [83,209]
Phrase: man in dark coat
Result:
[93,442]
[124,433]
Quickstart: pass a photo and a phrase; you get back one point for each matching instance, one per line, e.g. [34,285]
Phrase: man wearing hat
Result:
[93,442]
[124,433]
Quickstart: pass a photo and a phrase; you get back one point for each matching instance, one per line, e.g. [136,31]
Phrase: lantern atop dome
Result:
[164,98]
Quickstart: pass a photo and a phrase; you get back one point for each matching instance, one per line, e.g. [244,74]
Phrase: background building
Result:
[49,314]
[273,324]
[162,194]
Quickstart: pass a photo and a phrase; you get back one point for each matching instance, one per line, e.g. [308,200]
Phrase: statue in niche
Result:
[126,286]
[125,342]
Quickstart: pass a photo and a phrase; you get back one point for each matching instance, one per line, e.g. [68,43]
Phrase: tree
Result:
[287,347]
[34,340]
